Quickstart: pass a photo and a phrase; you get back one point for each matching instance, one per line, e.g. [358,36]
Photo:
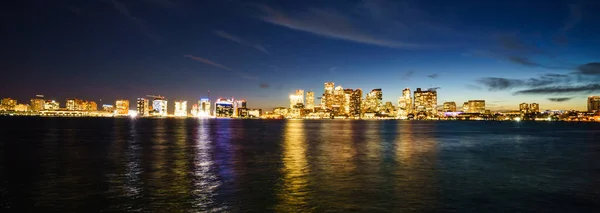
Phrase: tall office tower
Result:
[534,107]
[204,107]
[356,103]
[405,104]
[180,108]
[295,100]
[241,104]
[159,106]
[237,105]
[465,107]
[310,100]
[347,100]
[374,100]
[37,103]
[593,103]
[194,110]
[476,106]
[143,107]
[223,108]
[300,94]
[524,108]
[338,96]
[426,101]
[449,106]
[8,104]
[327,98]
[122,107]
[51,105]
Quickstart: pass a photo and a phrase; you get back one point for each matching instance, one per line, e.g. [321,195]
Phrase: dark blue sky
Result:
[505,52]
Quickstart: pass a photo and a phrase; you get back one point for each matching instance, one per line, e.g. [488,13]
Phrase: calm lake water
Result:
[191,165]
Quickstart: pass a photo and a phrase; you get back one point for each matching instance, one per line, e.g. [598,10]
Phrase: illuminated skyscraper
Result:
[405,104]
[90,106]
[238,107]
[143,107]
[476,106]
[8,104]
[194,111]
[524,108]
[466,107]
[449,107]
[72,104]
[593,103]
[356,103]
[327,99]
[374,101]
[223,108]
[159,106]
[389,108]
[180,108]
[310,100]
[426,101]
[204,107]
[347,100]
[122,107]
[534,107]
[37,103]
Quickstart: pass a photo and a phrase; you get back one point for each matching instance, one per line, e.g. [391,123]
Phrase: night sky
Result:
[505,52]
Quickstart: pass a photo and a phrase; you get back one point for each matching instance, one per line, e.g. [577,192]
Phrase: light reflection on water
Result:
[190,165]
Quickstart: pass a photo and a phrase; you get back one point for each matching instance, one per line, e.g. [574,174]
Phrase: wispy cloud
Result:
[592,68]
[561,99]
[138,22]
[214,64]
[264,86]
[589,88]
[239,40]
[473,87]
[575,16]
[334,24]
[332,70]
[408,75]
[433,76]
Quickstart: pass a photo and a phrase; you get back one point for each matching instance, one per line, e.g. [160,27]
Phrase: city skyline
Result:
[257,51]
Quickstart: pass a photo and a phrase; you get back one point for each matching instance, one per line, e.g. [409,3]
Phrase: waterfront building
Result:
[122,107]
[534,108]
[450,106]
[21,108]
[374,101]
[327,99]
[593,104]
[476,106]
[159,106]
[37,104]
[254,113]
[356,103]
[194,110]
[204,107]
[8,104]
[524,108]
[180,108]
[143,107]
[347,100]
[224,108]
[51,105]
[405,104]
[310,100]
[108,108]
[425,102]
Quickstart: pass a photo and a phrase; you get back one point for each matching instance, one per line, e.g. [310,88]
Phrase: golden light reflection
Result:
[293,193]
[205,181]
[416,151]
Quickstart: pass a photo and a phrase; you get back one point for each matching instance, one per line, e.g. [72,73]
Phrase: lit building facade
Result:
[593,103]
[476,106]
[51,105]
[449,106]
[347,100]
[224,108]
[122,107]
[389,108]
[524,108]
[327,99]
[356,103]
[374,101]
[37,104]
[180,109]
[310,100]
[254,113]
[22,108]
[194,110]
[426,101]
[534,108]
[159,106]
[204,107]
[405,104]
[108,108]
[8,104]
[143,107]
[465,107]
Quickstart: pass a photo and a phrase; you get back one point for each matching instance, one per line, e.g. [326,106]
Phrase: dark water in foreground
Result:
[176,165]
